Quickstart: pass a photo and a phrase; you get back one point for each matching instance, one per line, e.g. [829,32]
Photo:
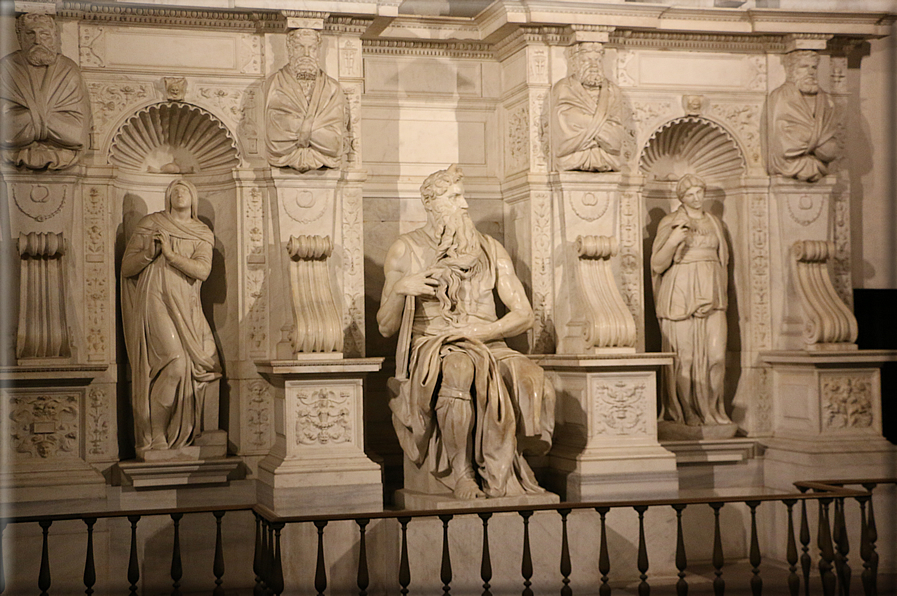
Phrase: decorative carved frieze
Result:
[762,401]
[841,257]
[518,139]
[323,416]
[43,325]
[255,274]
[353,272]
[620,408]
[827,319]
[538,130]
[108,100]
[318,327]
[758,271]
[744,120]
[238,107]
[542,341]
[96,291]
[631,257]
[98,422]
[352,92]
[259,415]
[609,322]
[847,401]
[45,426]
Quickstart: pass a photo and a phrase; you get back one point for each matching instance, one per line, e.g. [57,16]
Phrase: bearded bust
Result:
[466,407]
[44,103]
[800,122]
[586,115]
[306,113]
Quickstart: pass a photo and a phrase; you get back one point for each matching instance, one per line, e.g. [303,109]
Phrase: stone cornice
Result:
[697,41]
[172,17]
[474,50]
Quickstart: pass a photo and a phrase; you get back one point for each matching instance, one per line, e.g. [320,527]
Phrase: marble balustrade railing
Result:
[270,565]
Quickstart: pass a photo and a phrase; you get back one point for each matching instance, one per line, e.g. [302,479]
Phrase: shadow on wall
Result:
[874,311]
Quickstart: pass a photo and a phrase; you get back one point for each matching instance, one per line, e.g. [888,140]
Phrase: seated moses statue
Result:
[464,404]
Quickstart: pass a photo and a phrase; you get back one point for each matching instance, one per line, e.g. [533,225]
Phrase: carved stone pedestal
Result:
[318,464]
[827,417]
[605,441]
[50,435]
[594,204]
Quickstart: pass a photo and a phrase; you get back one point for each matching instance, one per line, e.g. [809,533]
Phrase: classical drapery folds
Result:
[44,102]
[586,115]
[469,406]
[800,122]
[306,113]
[170,345]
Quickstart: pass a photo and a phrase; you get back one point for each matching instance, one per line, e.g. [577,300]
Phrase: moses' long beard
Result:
[460,257]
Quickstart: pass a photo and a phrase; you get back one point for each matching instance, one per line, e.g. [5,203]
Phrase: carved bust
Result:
[801,124]
[44,102]
[586,115]
[306,113]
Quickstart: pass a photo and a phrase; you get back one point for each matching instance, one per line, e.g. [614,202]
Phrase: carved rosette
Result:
[353,273]
[758,250]
[542,339]
[827,319]
[323,416]
[96,292]
[258,434]
[45,426]
[620,408]
[631,257]
[255,294]
[847,402]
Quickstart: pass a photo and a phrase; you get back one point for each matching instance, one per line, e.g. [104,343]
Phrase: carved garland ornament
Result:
[631,257]
[758,250]
[353,272]
[323,417]
[543,284]
[258,415]
[97,421]
[39,202]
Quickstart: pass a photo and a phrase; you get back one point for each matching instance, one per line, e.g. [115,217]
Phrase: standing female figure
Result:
[170,344]
[688,265]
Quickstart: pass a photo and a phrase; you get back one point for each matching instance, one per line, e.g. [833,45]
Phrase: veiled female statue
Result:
[170,345]
[688,265]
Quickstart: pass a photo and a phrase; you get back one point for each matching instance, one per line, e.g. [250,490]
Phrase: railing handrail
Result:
[820,488]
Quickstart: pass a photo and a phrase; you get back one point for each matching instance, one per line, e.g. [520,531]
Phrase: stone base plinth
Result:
[409,499]
[605,443]
[827,417]
[676,431]
[318,464]
[177,473]
[208,445]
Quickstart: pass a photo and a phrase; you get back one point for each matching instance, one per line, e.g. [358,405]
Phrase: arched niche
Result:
[691,145]
[174,138]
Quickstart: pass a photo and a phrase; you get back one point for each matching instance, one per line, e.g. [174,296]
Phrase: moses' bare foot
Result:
[466,488]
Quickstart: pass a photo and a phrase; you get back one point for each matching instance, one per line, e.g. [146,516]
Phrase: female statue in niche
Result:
[170,345]
[688,265]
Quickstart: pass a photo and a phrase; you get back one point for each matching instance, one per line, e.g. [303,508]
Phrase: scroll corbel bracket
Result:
[609,324]
[318,327]
[828,323]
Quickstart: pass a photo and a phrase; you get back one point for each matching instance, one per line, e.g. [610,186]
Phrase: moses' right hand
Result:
[418,284]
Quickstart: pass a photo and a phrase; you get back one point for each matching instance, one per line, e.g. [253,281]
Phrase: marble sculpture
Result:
[306,112]
[44,102]
[169,342]
[801,124]
[688,266]
[587,129]
[491,403]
